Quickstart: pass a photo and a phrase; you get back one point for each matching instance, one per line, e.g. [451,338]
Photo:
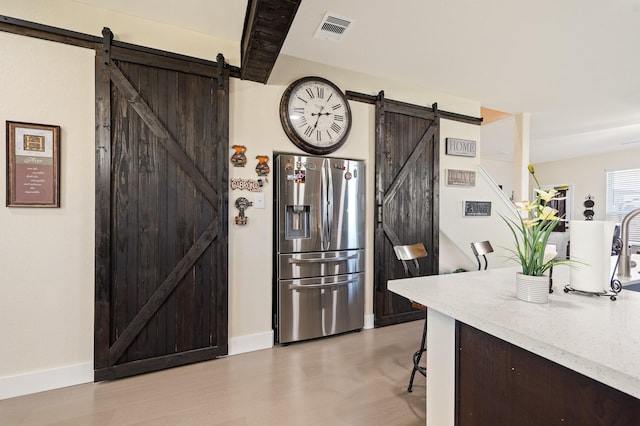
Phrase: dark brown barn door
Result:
[161,213]
[407,153]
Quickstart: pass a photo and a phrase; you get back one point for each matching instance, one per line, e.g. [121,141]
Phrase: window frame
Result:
[629,189]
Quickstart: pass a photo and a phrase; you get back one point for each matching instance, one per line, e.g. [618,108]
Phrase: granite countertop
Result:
[592,335]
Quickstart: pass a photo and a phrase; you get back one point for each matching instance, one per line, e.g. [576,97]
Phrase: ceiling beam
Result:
[266,25]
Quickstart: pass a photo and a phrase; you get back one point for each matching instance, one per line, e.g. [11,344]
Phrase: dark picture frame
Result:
[33,165]
[460,147]
[477,208]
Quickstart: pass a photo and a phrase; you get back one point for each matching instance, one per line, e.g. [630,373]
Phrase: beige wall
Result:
[587,175]
[46,315]
[76,16]
[46,255]
[457,232]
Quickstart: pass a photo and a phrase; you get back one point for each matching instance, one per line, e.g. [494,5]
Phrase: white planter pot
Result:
[532,289]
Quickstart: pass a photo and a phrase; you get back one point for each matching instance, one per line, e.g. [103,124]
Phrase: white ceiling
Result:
[573,65]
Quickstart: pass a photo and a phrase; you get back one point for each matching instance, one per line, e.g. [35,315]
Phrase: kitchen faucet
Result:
[625,256]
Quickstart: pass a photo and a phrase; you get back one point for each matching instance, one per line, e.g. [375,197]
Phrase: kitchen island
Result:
[490,354]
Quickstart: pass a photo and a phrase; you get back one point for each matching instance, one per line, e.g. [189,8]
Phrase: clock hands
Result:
[317,119]
[319,114]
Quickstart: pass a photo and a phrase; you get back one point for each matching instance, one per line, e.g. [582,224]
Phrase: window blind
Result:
[623,196]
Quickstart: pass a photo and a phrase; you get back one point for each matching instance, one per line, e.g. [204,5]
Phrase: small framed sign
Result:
[461,147]
[477,208]
[33,165]
[461,177]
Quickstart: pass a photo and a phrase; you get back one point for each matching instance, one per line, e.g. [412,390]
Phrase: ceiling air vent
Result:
[333,27]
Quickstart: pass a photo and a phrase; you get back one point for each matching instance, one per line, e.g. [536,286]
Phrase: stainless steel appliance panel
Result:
[321,306]
[298,190]
[320,204]
[346,217]
[315,264]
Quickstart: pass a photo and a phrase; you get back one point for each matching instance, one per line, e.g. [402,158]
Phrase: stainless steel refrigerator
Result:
[319,239]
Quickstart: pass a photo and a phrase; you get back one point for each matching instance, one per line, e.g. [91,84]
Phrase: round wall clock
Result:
[315,115]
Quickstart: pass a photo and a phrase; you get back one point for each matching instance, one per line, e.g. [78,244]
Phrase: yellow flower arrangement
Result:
[531,232]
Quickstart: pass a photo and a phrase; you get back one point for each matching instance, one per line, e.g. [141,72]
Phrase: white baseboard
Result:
[40,381]
[45,380]
[250,342]
[56,378]
[369,321]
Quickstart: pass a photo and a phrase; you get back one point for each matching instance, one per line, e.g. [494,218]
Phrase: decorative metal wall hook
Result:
[242,204]
[239,159]
[262,168]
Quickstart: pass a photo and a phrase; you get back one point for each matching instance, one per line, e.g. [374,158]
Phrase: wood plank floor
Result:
[351,379]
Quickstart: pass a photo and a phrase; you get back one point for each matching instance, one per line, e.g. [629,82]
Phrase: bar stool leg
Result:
[418,355]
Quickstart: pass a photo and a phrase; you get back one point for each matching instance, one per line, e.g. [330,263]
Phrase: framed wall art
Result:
[33,165]
[477,208]
[461,147]
[461,177]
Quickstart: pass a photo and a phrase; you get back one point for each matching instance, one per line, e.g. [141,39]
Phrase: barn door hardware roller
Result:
[107,39]
[221,65]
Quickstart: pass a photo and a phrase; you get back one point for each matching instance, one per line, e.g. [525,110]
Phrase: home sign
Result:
[461,147]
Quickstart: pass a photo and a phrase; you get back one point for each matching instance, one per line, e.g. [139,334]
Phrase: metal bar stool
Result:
[411,253]
[481,248]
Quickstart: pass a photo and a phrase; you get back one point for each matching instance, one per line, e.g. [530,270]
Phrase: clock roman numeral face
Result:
[317,114]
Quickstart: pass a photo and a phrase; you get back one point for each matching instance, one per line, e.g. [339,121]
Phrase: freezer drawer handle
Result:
[326,259]
[317,286]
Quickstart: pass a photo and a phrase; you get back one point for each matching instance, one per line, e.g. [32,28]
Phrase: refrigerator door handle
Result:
[330,206]
[321,286]
[324,206]
[320,260]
